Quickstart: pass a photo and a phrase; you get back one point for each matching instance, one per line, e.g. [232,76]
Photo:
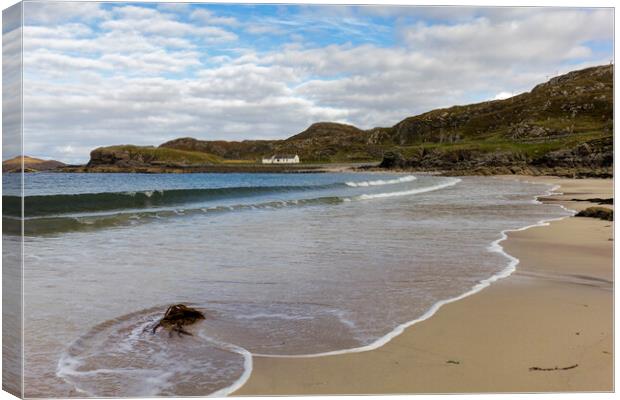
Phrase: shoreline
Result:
[253,168]
[504,273]
[278,375]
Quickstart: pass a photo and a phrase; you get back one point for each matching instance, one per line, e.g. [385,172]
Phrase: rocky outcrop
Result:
[593,154]
[593,158]
[459,159]
[393,160]
[433,127]
[116,157]
[603,213]
[134,158]
[379,136]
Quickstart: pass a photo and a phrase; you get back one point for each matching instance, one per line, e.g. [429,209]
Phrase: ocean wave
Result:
[46,205]
[451,182]
[45,225]
[381,182]
[84,216]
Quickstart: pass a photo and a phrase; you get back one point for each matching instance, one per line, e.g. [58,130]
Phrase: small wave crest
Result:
[381,182]
[451,182]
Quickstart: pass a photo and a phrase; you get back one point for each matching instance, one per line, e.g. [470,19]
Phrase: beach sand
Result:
[556,310]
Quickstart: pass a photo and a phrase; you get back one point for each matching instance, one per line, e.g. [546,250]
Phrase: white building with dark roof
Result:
[281,159]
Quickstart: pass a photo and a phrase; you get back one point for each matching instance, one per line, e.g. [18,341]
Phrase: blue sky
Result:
[99,74]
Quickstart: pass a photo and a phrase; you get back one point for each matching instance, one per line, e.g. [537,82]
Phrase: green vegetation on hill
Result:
[145,159]
[578,103]
[149,154]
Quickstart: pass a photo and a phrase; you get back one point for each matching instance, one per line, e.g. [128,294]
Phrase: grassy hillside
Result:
[133,156]
[250,150]
[578,103]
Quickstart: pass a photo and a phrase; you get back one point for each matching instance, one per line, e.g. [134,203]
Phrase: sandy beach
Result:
[547,327]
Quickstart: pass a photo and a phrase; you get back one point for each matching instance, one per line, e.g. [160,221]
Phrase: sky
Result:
[98,74]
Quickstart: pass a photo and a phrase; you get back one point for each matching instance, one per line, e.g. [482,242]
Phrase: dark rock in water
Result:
[177,316]
[603,213]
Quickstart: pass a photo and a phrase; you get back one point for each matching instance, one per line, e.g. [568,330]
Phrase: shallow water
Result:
[281,264]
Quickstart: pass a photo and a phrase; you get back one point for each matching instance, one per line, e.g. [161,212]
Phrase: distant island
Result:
[30,164]
[561,127]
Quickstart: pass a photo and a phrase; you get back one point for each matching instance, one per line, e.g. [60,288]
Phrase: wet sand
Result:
[555,311]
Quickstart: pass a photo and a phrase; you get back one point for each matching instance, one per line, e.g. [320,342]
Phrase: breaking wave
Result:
[452,182]
[381,182]
[43,205]
[56,213]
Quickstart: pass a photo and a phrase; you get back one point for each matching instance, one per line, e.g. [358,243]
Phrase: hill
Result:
[580,102]
[247,149]
[321,142]
[149,159]
[31,164]
[562,126]
[130,158]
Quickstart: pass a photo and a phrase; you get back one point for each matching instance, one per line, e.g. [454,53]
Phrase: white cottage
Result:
[281,159]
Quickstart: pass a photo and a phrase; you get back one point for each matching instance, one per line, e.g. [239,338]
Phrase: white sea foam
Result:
[451,182]
[247,366]
[142,382]
[67,367]
[380,182]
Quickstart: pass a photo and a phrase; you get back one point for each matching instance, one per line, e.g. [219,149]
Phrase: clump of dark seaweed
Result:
[176,317]
[554,368]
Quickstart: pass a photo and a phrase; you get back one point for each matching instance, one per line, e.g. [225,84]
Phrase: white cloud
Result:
[174,7]
[262,28]
[207,17]
[11,87]
[543,37]
[49,60]
[503,96]
[54,12]
[150,21]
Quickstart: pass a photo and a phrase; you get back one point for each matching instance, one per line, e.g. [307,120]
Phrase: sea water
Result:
[281,265]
